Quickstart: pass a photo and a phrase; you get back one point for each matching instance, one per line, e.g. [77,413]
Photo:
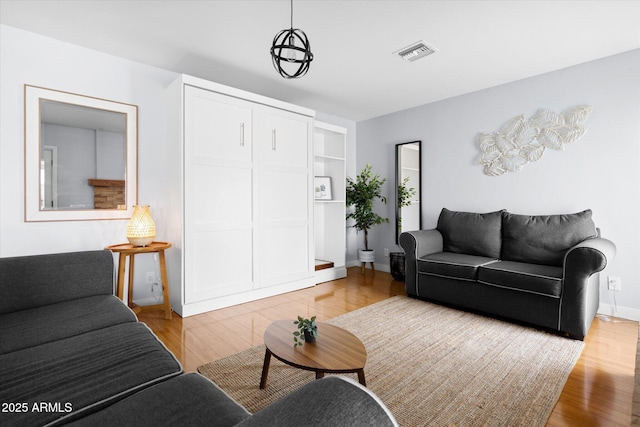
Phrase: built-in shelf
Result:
[329,215]
[319,158]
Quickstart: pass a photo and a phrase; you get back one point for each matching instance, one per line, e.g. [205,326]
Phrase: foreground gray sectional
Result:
[72,353]
[541,270]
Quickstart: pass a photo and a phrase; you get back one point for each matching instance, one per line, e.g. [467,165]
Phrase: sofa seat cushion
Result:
[28,328]
[82,374]
[186,400]
[544,239]
[534,278]
[454,265]
[471,233]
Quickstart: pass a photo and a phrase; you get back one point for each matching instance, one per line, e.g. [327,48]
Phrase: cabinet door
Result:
[285,198]
[287,139]
[218,204]
[221,125]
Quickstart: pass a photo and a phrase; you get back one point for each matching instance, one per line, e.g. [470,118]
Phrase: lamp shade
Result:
[141,229]
[291,53]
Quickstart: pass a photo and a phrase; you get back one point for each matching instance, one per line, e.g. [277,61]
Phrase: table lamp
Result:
[141,229]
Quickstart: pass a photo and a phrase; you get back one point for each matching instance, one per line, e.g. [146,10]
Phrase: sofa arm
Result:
[581,291]
[417,244]
[331,401]
[37,280]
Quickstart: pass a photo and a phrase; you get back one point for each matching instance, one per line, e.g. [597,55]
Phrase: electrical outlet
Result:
[151,277]
[156,290]
[614,283]
[386,251]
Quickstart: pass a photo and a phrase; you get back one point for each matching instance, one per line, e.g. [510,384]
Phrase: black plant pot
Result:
[397,261]
[308,337]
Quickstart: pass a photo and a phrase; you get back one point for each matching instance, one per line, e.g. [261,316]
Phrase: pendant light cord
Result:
[292,14]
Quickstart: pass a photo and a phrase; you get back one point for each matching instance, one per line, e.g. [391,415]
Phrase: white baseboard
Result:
[186,310]
[147,301]
[378,267]
[328,274]
[623,312]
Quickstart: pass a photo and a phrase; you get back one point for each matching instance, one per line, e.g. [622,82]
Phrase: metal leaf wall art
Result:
[521,141]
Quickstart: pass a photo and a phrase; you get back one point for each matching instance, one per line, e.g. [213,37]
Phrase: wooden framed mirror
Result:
[80,157]
[408,187]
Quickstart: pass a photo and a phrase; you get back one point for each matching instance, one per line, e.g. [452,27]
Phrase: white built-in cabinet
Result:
[240,197]
[329,215]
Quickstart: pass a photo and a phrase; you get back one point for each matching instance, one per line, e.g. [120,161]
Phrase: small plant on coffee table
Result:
[307,331]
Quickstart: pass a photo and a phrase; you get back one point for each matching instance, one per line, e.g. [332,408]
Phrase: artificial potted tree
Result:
[361,194]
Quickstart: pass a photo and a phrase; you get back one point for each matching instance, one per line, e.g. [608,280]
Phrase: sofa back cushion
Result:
[471,233]
[37,280]
[543,239]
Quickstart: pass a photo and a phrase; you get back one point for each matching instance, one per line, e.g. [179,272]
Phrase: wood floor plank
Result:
[597,393]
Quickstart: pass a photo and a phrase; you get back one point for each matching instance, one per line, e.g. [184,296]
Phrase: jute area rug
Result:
[431,365]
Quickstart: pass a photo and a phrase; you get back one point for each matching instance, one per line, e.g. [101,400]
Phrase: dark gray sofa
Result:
[72,353]
[540,270]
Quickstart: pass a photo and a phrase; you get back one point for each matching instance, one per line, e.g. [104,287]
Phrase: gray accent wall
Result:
[601,171]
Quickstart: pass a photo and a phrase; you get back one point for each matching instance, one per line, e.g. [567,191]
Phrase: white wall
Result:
[27,58]
[601,171]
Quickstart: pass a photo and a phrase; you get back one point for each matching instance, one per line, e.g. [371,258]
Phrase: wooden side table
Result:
[128,250]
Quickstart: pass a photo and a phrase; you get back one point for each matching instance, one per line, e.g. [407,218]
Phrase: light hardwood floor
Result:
[598,391]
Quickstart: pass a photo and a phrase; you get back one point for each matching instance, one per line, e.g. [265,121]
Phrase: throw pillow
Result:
[544,239]
[471,233]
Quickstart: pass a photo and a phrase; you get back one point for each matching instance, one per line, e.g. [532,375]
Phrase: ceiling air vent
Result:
[415,51]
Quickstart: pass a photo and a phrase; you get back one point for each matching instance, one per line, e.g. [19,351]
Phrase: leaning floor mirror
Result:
[80,157]
[408,191]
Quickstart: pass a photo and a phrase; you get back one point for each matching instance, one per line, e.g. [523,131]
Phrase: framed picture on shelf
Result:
[322,187]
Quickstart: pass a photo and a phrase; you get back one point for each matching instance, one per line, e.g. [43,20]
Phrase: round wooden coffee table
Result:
[335,351]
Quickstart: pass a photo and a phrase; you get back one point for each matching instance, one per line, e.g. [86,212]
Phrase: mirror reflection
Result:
[408,191]
[83,158]
[80,157]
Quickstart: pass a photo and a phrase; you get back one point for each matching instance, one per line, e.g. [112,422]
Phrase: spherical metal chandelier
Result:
[291,52]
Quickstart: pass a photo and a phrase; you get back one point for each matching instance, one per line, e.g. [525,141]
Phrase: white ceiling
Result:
[354,74]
